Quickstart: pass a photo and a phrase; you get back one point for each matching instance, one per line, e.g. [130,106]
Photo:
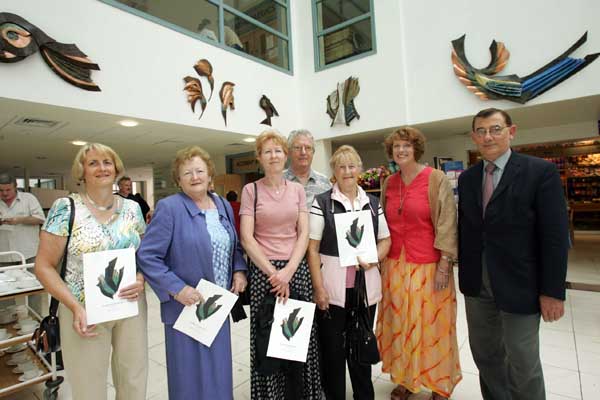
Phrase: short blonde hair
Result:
[345,152]
[270,134]
[187,154]
[412,135]
[78,163]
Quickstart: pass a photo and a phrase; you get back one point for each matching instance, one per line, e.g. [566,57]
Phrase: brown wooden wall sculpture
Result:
[20,39]
[226,95]
[193,86]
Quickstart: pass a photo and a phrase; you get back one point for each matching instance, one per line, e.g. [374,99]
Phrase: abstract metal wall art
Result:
[226,96]
[268,108]
[483,82]
[20,39]
[348,92]
[193,86]
[351,90]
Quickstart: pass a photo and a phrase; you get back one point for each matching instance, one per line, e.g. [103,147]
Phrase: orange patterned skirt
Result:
[416,328]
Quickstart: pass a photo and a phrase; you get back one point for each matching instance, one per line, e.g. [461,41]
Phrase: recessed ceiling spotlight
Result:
[250,140]
[78,142]
[128,123]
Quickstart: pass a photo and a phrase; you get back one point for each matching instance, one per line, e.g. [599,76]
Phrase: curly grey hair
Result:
[300,132]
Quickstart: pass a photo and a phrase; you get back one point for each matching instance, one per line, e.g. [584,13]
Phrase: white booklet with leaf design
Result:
[355,237]
[104,274]
[204,320]
[290,332]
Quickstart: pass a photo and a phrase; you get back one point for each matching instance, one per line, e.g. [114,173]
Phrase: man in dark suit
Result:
[513,244]
[125,191]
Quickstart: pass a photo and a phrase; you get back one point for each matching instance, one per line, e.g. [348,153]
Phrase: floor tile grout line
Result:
[576,350]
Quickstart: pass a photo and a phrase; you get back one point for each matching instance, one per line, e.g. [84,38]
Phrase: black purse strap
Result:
[63,269]
[362,301]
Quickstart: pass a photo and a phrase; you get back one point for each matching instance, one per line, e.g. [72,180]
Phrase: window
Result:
[258,29]
[344,30]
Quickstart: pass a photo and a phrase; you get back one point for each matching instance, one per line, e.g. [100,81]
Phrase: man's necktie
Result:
[488,187]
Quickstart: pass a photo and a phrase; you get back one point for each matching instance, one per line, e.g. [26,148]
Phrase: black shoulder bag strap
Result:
[63,268]
[237,312]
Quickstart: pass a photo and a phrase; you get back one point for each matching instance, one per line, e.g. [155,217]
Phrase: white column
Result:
[321,157]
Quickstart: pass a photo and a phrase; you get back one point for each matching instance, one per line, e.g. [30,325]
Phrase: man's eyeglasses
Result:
[298,149]
[495,130]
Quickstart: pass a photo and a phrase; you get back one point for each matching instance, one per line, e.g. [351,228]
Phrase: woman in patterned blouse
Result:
[103,221]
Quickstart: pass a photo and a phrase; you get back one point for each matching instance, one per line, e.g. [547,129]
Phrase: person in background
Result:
[333,285]
[235,206]
[20,218]
[302,149]
[125,191]
[274,226]
[416,321]
[514,240]
[103,221]
[192,237]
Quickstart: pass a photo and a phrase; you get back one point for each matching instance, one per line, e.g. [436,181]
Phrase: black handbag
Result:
[46,337]
[361,341]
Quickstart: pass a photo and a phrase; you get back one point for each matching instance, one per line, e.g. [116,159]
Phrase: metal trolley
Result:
[18,341]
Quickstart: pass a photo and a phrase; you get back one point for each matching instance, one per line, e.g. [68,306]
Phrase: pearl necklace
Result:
[99,207]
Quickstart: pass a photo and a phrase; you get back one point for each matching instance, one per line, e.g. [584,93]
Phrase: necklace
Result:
[98,207]
[277,189]
[402,198]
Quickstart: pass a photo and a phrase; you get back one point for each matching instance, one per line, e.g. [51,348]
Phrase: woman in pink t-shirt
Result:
[274,231]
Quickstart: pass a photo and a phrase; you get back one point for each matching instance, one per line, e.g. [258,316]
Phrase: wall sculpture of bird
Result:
[268,108]
[291,324]
[483,82]
[351,90]
[226,96]
[20,39]
[109,283]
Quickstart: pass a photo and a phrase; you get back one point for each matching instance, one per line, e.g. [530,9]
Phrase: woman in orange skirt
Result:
[416,323]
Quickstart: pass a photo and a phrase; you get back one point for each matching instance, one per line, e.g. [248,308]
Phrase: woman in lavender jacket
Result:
[192,237]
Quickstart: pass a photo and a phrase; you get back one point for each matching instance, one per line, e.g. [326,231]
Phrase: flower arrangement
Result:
[373,177]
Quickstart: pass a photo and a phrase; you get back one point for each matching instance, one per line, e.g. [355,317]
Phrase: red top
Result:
[411,226]
[235,205]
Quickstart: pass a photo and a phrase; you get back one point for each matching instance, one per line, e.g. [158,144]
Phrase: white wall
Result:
[410,80]
[143,65]
[381,102]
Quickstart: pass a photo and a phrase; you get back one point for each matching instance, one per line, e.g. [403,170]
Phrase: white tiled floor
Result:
[570,348]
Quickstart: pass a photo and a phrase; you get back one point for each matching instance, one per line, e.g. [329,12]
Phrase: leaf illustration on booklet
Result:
[109,283]
[291,324]
[208,308]
[354,234]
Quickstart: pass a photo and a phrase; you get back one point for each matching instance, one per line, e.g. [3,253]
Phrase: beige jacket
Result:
[443,211]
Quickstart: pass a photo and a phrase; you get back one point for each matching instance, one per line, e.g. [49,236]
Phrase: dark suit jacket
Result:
[524,234]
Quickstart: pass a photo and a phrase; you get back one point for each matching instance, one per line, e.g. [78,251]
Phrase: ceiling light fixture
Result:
[78,142]
[250,140]
[128,123]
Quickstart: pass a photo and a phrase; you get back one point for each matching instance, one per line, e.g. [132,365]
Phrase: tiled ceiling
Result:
[151,142]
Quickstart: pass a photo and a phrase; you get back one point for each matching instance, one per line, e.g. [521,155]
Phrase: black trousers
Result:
[334,354]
